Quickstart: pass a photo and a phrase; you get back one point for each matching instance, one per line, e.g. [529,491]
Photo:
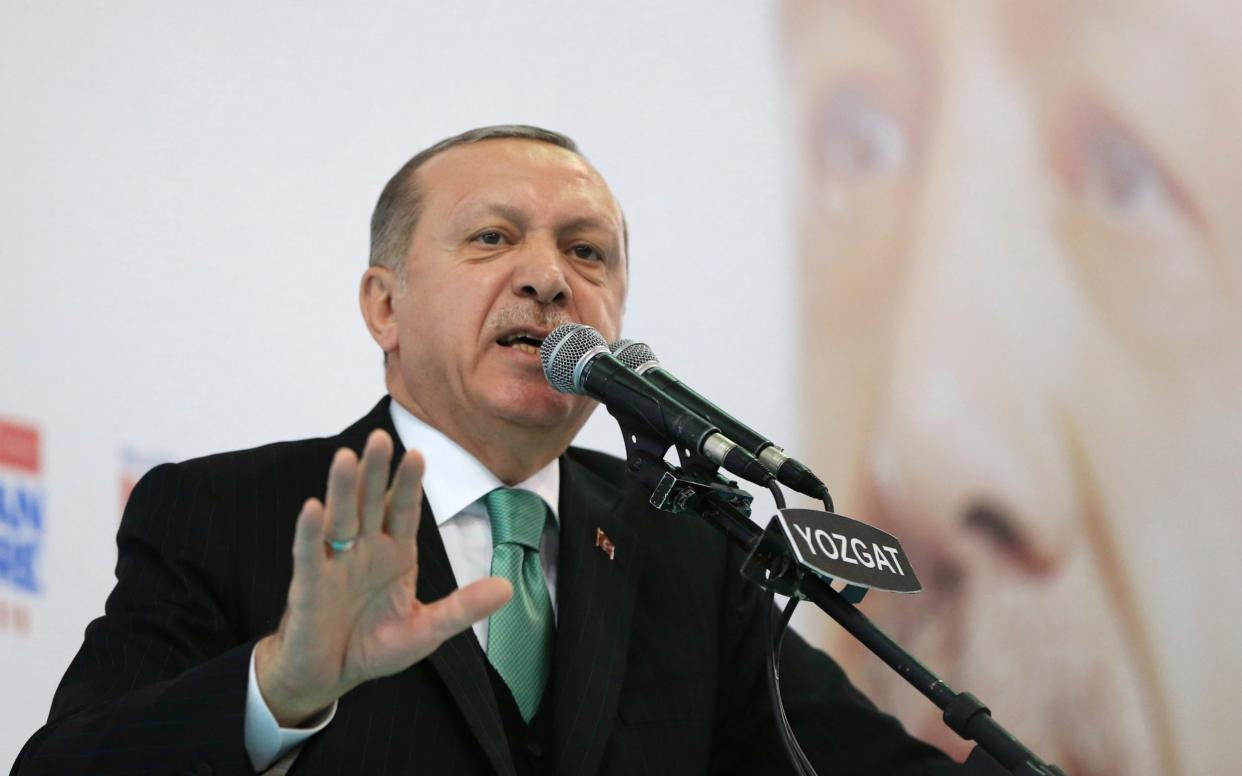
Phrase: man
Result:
[1021,252]
[358,648]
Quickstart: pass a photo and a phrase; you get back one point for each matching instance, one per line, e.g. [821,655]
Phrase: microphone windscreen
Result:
[636,355]
[563,351]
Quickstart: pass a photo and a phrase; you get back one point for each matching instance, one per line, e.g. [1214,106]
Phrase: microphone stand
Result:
[770,563]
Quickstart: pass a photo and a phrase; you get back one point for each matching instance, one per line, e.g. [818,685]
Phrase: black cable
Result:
[826,497]
[777,494]
[773,641]
[782,626]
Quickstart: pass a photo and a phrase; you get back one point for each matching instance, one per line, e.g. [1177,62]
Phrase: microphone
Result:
[639,357]
[576,359]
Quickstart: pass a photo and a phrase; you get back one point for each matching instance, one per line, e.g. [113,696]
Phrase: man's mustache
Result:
[535,316]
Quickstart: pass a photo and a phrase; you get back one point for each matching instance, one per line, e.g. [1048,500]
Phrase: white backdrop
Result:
[186,192]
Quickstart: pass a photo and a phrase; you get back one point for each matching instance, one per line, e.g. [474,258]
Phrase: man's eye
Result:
[490,238]
[1119,174]
[585,252]
[857,138]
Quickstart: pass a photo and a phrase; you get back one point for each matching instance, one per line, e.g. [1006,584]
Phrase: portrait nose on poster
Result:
[971,451]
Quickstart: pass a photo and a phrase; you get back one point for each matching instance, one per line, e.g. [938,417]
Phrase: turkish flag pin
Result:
[604,543]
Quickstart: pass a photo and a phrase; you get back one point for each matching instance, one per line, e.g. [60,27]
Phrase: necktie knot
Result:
[517,517]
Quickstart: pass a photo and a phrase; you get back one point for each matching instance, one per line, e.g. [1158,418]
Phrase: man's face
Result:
[514,238]
[1023,260]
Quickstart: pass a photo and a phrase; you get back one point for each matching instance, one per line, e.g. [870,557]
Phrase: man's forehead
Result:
[505,158]
[466,178]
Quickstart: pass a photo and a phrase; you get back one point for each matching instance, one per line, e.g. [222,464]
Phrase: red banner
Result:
[19,447]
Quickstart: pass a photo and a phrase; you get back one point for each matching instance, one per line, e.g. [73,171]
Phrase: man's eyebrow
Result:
[502,209]
[901,23]
[584,223]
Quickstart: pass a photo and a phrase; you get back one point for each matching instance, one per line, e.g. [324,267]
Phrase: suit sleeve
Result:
[159,684]
[838,728]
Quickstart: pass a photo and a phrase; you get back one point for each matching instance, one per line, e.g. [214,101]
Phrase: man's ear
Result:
[375,297]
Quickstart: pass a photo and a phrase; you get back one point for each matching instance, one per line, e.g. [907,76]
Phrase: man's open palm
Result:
[353,613]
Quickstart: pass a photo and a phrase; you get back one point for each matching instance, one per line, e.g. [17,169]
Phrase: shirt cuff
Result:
[266,740]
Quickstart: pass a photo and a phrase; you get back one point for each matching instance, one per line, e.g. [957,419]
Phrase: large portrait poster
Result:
[1021,247]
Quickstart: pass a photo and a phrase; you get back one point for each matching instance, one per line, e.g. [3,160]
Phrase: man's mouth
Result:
[525,341]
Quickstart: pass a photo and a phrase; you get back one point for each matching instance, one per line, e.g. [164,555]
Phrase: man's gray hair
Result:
[397,210]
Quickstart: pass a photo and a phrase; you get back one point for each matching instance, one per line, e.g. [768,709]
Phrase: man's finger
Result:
[308,545]
[462,608]
[405,500]
[374,480]
[433,624]
[341,505]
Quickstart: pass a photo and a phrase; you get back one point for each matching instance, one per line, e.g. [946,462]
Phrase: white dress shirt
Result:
[453,483]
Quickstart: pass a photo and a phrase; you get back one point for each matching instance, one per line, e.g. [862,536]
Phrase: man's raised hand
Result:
[352,614]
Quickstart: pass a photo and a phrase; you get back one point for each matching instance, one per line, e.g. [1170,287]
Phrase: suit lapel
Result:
[458,661]
[595,605]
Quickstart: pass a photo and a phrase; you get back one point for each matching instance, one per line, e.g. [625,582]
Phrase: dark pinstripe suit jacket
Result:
[657,669]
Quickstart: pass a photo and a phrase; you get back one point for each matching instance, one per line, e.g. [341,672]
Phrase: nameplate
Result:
[845,549]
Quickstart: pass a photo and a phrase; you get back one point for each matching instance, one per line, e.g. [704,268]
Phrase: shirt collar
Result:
[454,478]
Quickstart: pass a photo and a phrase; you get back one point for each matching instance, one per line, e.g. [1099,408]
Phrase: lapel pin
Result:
[604,543]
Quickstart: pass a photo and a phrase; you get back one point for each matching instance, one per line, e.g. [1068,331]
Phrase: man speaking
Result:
[456,501]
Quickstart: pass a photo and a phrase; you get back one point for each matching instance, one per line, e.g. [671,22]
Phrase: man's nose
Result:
[970,454]
[539,273]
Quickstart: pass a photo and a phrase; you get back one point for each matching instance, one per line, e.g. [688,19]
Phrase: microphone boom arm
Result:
[771,564]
